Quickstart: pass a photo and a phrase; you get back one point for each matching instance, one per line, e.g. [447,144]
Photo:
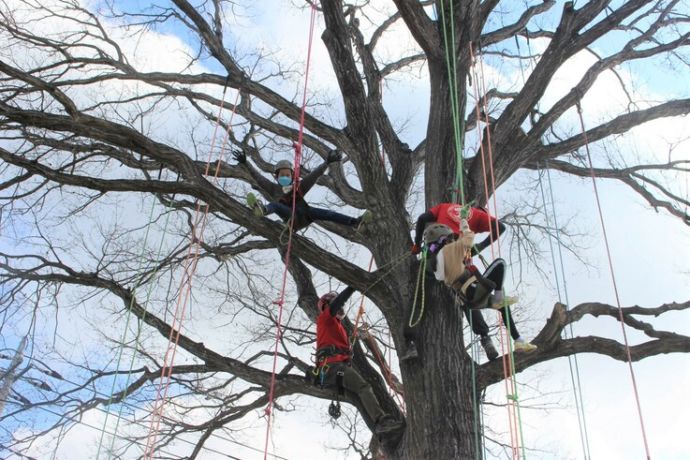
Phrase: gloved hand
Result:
[467,239]
[415,250]
[333,156]
[297,147]
[472,268]
[239,156]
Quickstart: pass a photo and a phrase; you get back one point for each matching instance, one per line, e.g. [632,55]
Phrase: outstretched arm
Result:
[496,227]
[339,301]
[422,222]
[266,186]
[308,182]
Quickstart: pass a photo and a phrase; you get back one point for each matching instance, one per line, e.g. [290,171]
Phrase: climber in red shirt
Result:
[478,221]
[333,356]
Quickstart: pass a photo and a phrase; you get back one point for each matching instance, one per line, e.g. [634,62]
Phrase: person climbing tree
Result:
[333,358]
[281,194]
[460,275]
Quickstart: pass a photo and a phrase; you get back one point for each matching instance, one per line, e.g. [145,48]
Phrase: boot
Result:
[387,424]
[522,345]
[499,301]
[364,219]
[410,353]
[489,348]
[256,205]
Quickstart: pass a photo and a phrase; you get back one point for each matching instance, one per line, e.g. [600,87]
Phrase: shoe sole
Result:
[526,349]
[254,204]
[507,302]
[408,358]
[364,219]
[251,200]
[389,430]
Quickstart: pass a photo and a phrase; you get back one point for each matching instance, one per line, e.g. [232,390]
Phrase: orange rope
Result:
[613,280]
[388,374]
[184,291]
[296,175]
[503,332]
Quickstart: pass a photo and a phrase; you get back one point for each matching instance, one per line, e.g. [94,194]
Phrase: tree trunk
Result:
[438,384]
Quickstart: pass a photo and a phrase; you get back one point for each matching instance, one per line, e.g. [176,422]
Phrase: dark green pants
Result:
[354,382]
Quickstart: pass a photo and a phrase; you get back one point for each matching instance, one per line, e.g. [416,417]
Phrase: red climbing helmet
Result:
[326,299]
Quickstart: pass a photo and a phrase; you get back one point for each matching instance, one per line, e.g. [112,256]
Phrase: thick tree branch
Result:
[552,345]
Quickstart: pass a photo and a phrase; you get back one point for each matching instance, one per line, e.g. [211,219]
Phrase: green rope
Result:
[393,264]
[420,280]
[475,410]
[458,122]
[126,328]
[140,322]
[574,375]
[514,397]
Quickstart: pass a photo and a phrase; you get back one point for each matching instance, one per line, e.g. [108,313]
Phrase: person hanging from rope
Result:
[333,358]
[450,249]
[282,193]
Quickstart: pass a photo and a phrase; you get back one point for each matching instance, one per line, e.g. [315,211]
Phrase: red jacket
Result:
[330,331]
[449,214]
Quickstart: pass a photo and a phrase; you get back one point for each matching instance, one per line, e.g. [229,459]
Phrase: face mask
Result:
[285,180]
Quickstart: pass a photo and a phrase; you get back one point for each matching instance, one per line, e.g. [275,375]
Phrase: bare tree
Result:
[84,140]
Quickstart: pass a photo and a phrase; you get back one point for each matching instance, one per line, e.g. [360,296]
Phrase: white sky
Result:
[650,252]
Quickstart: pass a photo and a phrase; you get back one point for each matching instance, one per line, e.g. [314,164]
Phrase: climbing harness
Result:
[321,370]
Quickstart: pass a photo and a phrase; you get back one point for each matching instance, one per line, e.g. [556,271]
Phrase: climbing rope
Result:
[574,373]
[199,223]
[139,327]
[295,185]
[476,412]
[613,279]
[458,121]
[420,280]
[574,370]
[387,373]
[486,155]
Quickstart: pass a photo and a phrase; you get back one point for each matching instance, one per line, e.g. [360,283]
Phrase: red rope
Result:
[184,292]
[613,280]
[295,186]
[387,372]
[503,333]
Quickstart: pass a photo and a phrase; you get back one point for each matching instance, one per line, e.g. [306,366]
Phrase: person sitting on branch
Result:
[282,194]
[333,361]
[449,237]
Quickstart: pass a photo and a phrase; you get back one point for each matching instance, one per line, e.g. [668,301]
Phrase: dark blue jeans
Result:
[285,212]
[494,272]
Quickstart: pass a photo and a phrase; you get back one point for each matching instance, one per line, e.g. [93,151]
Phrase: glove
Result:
[334,156]
[239,156]
[415,250]
[472,268]
[297,147]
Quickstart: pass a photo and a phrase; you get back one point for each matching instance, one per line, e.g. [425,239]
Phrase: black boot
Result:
[410,353]
[489,348]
